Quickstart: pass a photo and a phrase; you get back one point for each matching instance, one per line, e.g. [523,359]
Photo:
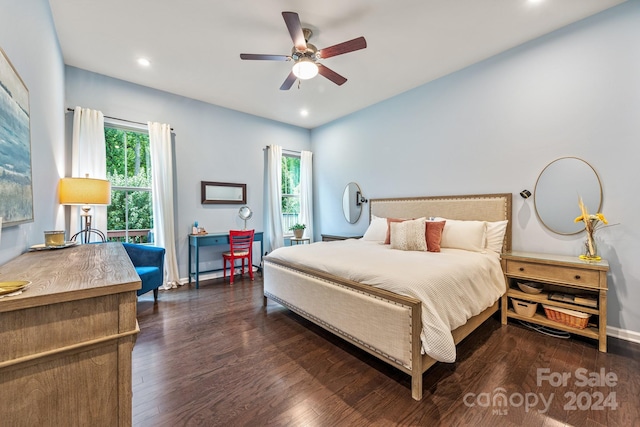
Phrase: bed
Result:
[379,312]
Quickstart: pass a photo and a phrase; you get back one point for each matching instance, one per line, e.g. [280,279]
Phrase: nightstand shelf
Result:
[558,273]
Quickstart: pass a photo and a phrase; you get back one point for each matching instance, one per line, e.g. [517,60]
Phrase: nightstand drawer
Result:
[566,275]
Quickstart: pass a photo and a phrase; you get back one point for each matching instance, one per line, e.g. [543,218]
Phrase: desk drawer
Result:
[566,275]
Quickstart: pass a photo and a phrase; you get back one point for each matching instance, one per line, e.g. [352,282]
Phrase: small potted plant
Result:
[298,230]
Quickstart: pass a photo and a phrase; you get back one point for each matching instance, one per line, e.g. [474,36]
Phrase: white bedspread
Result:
[453,285]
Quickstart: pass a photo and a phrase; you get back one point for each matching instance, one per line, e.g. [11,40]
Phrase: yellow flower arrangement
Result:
[591,222]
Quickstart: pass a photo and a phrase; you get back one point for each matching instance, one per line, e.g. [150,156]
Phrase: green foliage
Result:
[128,168]
[290,185]
[297,227]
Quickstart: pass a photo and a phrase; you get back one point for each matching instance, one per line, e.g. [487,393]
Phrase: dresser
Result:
[560,275]
[65,357]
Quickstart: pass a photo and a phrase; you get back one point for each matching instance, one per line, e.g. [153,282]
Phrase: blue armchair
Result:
[149,264]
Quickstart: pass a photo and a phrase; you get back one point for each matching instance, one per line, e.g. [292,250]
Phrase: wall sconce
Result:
[85,192]
[360,199]
[525,194]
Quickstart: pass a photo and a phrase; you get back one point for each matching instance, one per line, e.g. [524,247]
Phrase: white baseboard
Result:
[623,334]
[212,275]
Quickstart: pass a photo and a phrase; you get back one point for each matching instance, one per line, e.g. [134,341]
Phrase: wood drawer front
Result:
[554,273]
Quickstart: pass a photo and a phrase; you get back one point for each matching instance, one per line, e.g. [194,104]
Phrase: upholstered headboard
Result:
[481,207]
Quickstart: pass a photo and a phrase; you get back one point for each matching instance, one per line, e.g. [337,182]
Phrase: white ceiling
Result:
[194,46]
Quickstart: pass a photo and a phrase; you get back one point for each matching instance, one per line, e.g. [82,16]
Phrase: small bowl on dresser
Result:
[531,287]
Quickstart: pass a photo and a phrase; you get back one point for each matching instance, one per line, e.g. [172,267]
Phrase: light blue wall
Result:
[27,36]
[493,127]
[211,144]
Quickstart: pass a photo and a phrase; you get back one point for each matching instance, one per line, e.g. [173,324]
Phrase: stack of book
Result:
[586,300]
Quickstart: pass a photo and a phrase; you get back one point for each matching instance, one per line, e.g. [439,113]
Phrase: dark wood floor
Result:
[215,356]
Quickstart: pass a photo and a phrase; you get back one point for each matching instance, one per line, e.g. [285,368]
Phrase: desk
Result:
[65,357]
[212,239]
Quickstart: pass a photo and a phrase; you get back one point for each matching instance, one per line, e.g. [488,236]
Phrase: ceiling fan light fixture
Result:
[305,69]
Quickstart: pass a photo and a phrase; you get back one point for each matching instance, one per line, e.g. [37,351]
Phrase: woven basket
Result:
[575,319]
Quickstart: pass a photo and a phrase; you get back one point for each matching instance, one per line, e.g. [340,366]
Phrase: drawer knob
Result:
[577,277]
[521,269]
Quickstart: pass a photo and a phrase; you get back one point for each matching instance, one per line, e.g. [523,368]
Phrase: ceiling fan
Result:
[306,56]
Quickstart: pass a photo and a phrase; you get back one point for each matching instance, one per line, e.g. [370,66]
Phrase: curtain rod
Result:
[285,150]
[116,118]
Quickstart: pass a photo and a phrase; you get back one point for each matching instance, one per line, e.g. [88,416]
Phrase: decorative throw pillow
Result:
[377,230]
[434,235]
[408,235]
[387,239]
[467,235]
[495,235]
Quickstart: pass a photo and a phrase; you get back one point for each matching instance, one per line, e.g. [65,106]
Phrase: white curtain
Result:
[162,188]
[88,156]
[275,236]
[306,192]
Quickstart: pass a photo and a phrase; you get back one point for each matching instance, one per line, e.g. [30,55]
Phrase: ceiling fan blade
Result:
[331,75]
[295,30]
[291,78]
[257,56]
[344,47]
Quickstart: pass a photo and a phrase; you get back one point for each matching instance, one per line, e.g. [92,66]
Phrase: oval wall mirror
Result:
[558,187]
[350,203]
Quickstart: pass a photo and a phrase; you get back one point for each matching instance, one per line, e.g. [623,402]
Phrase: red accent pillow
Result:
[433,234]
[387,240]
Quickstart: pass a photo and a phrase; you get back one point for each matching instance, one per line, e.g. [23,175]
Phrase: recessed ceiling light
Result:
[304,113]
[144,62]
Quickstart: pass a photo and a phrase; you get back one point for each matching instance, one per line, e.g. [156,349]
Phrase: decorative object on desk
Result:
[531,287]
[298,230]
[525,194]
[13,288]
[54,238]
[85,192]
[245,213]
[223,193]
[16,189]
[591,223]
[44,247]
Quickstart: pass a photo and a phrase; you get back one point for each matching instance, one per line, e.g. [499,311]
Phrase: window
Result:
[290,192]
[130,215]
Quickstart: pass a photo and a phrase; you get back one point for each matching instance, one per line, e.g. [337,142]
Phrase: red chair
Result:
[241,242]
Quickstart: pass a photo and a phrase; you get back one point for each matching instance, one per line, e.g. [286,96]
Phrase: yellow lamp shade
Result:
[84,191]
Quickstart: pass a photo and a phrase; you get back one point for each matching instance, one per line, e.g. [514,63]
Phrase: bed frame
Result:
[386,325]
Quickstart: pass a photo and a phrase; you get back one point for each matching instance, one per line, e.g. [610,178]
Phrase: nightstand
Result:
[299,241]
[332,237]
[564,275]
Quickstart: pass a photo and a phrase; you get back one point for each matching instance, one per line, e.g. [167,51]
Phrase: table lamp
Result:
[85,192]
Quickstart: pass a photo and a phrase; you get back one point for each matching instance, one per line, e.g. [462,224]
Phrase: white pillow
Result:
[408,235]
[377,230]
[467,235]
[495,235]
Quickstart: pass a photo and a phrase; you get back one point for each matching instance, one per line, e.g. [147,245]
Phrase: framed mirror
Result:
[223,193]
[351,206]
[558,187]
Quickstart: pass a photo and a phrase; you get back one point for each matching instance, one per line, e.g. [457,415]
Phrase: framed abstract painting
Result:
[16,191]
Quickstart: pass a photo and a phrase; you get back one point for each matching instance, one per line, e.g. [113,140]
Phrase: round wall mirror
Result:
[245,213]
[557,190]
[351,206]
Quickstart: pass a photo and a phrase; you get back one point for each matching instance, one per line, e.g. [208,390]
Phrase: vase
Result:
[298,232]
[590,251]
